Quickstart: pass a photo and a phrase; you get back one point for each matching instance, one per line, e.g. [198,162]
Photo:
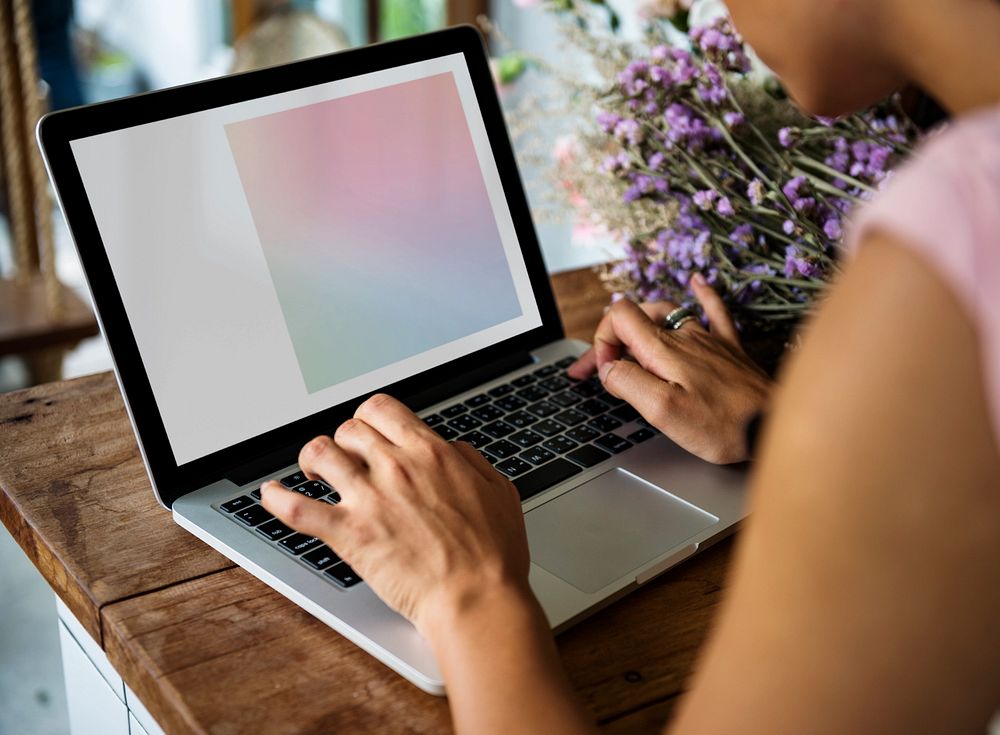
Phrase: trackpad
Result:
[608,527]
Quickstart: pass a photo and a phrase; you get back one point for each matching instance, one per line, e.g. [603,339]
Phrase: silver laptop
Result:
[267,250]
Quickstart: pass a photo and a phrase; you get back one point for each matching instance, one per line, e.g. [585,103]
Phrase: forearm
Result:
[502,669]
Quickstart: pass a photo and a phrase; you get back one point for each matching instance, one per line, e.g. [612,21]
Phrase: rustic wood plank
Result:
[581,299]
[226,654]
[74,493]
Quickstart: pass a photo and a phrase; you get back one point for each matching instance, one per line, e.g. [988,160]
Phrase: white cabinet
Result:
[99,702]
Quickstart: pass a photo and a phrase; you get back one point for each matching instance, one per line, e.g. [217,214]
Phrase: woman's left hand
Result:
[430,526]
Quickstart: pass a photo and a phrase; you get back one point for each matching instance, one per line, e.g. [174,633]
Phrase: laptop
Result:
[267,250]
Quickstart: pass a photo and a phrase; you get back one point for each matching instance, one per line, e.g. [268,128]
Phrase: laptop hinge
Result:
[286,456]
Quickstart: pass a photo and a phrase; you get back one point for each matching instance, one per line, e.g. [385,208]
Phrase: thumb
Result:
[646,393]
[715,309]
[311,517]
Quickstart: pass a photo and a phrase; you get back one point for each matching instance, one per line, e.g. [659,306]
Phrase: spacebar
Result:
[545,477]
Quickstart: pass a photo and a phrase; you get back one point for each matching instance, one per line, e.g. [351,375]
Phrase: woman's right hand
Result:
[698,387]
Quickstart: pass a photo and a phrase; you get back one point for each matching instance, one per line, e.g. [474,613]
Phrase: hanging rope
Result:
[24,34]
[12,123]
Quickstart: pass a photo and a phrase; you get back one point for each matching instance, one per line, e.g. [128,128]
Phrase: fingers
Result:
[361,440]
[648,394]
[627,327]
[719,321]
[584,366]
[392,419]
[478,461]
[311,517]
[321,457]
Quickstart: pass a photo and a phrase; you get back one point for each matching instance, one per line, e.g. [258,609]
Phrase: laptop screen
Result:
[286,254]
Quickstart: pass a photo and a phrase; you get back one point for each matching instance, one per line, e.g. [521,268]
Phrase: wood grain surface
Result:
[209,649]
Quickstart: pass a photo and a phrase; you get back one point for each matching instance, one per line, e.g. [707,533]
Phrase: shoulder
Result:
[944,204]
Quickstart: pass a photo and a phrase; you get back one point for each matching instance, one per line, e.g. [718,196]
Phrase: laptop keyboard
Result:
[539,429]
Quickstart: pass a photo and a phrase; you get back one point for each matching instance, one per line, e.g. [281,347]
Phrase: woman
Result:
[864,596]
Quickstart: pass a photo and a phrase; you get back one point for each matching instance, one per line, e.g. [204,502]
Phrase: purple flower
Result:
[788,226]
[742,235]
[725,207]
[733,119]
[656,160]
[630,130]
[705,198]
[788,137]
[833,229]
[755,192]
[608,121]
[797,264]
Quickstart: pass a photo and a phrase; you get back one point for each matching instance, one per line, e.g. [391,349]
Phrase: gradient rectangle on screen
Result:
[376,225]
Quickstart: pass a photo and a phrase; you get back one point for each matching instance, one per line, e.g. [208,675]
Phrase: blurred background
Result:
[61,53]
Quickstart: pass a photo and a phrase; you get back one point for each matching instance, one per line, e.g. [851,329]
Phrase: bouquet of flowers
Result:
[698,162]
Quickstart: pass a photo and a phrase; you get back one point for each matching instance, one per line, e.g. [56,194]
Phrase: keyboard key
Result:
[532,393]
[313,489]
[321,558]
[523,381]
[588,455]
[511,403]
[625,413]
[565,399]
[546,372]
[555,383]
[236,503]
[526,438]
[343,575]
[605,423]
[453,411]
[612,443]
[588,388]
[299,543]
[253,516]
[548,428]
[433,419]
[502,449]
[537,455]
[487,413]
[559,444]
[333,498]
[520,419]
[446,432]
[593,407]
[255,494]
[566,361]
[488,457]
[514,467]
[543,409]
[545,477]
[498,429]
[274,530]
[296,478]
[501,390]
[476,438]
[641,435]
[465,424]
[476,401]
[570,417]
[611,400]
[582,434]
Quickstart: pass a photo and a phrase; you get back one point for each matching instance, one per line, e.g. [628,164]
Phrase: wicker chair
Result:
[40,318]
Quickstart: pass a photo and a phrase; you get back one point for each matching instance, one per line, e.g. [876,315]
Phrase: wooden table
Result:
[210,649]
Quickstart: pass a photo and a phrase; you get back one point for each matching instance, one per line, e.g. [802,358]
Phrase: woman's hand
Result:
[429,525]
[698,387]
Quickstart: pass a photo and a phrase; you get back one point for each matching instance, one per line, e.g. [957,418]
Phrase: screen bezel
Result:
[57,130]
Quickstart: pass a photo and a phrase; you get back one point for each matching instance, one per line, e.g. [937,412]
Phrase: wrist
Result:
[458,610]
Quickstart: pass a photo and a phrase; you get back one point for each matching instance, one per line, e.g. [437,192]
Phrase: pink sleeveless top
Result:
[945,204]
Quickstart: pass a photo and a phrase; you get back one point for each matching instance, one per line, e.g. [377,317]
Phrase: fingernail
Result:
[698,280]
[605,369]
